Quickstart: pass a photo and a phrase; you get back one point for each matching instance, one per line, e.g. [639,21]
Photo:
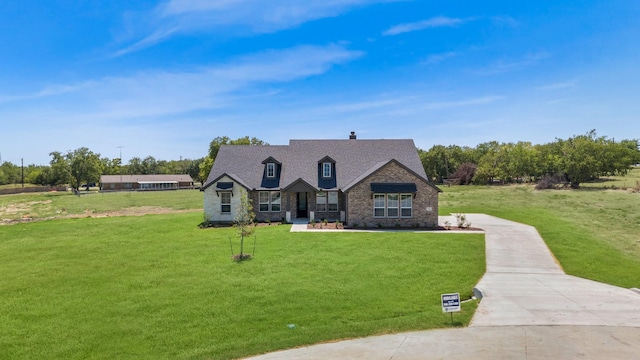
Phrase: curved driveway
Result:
[530,310]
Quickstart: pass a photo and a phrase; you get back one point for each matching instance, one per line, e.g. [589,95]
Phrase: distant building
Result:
[145,182]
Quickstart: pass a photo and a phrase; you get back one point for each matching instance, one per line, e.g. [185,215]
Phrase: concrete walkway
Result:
[530,310]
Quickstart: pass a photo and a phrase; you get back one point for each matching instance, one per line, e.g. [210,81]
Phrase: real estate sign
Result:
[450,302]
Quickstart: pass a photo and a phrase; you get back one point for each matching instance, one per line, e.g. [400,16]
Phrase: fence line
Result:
[32,189]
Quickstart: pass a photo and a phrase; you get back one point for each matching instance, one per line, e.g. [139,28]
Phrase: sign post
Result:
[450,303]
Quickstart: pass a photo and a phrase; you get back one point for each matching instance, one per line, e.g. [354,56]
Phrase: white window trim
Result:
[321,195]
[386,206]
[260,202]
[272,202]
[271,170]
[410,197]
[396,208]
[223,204]
[326,201]
[326,166]
[336,203]
[269,201]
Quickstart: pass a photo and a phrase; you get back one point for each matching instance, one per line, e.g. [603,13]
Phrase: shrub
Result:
[464,174]
[550,182]
[461,221]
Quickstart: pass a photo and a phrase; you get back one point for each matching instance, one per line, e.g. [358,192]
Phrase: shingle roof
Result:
[299,160]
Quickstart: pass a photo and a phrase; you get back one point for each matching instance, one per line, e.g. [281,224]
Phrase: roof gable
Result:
[381,165]
[299,160]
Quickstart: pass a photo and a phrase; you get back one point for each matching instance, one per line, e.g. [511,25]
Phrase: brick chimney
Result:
[352,136]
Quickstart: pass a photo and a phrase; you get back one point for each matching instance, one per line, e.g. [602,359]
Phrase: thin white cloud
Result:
[483,100]
[557,86]
[48,91]
[509,65]
[506,21]
[438,58]
[162,93]
[440,21]
[150,40]
[385,106]
[244,17]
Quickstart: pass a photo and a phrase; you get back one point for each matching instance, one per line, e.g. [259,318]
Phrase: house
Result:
[359,182]
[145,182]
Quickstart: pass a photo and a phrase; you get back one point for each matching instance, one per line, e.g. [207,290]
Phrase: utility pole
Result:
[22,166]
[120,148]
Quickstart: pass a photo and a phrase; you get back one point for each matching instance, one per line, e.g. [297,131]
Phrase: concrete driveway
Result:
[530,310]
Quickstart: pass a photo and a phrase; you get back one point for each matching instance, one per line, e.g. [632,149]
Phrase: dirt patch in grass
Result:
[9,215]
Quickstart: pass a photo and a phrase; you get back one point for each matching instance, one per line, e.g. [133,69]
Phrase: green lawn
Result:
[91,203]
[157,286]
[594,233]
[631,180]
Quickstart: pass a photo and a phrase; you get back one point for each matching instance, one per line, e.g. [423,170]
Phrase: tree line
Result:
[572,161]
[81,166]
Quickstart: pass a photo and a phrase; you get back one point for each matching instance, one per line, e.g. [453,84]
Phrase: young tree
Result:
[244,223]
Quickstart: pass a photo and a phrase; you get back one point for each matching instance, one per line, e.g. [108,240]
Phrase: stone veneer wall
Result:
[212,209]
[360,201]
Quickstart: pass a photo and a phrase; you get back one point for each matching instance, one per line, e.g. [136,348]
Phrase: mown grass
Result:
[593,233]
[60,204]
[157,287]
[629,181]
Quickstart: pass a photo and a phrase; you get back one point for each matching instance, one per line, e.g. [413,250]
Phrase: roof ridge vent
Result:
[352,136]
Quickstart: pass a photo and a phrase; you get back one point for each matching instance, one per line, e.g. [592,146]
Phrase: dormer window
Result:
[326,170]
[271,170]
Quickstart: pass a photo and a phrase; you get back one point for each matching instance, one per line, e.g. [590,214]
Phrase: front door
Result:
[301,205]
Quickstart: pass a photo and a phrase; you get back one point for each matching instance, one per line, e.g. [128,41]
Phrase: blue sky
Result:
[163,78]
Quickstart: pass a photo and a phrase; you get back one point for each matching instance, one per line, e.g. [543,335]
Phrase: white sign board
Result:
[450,302]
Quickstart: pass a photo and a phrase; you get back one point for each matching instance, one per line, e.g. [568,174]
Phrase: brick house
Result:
[359,182]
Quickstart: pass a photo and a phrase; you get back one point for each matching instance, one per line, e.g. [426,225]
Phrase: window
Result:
[392,205]
[263,199]
[406,205]
[275,201]
[225,202]
[321,201]
[378,205]
[269,201]
[271,170]
[327,201]
[326,170]
[333,201]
